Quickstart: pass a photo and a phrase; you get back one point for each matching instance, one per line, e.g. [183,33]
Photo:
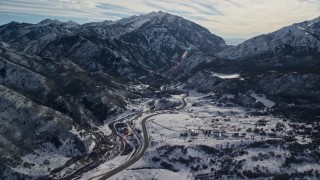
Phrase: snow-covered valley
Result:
[157,96]
[207,141]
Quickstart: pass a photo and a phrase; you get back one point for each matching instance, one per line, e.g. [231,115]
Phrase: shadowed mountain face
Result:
[153,41]
[46,103]
[59,79]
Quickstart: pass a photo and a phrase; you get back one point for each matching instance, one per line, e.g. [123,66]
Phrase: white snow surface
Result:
[160,174]
[263,99]
[226,76]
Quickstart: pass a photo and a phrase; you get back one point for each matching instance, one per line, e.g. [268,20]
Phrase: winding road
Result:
[142,149]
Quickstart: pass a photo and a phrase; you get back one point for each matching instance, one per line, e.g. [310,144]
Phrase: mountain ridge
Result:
[294,35]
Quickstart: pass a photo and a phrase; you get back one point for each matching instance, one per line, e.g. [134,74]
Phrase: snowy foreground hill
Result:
[157,96]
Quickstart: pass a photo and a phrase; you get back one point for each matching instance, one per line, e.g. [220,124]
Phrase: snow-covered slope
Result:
[42,136]
[171,34]
[50,111]
[297,39]
[163,32]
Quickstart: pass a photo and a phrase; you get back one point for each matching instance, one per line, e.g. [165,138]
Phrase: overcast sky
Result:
[226,18]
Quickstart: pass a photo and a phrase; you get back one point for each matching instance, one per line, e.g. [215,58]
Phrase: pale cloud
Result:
[227,18]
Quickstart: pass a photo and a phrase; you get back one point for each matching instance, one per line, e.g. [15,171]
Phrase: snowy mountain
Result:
[300,39]
[153,41]
[163,32]
[284,65]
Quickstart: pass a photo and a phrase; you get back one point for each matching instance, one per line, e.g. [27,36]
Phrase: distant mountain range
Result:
[58,76]
[300,39]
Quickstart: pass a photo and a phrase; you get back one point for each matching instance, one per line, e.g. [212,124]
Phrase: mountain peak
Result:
[50,21]
[71,24]
[157,14]
[147,17]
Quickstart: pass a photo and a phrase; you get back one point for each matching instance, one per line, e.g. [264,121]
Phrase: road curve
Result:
[141,150]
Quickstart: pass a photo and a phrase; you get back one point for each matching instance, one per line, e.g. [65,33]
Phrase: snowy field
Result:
[211,138]
[207,140]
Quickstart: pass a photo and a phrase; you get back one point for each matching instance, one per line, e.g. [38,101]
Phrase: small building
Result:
[225,135]
[184,134]
[243,135]
[235,135]
[256,130]
[123,130]
[120,125]
[262,122]
[207,132]
[263,133]
[194,132]
[249,130]
[280,127]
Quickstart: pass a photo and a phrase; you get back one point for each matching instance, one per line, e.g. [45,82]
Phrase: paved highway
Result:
[142,149]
